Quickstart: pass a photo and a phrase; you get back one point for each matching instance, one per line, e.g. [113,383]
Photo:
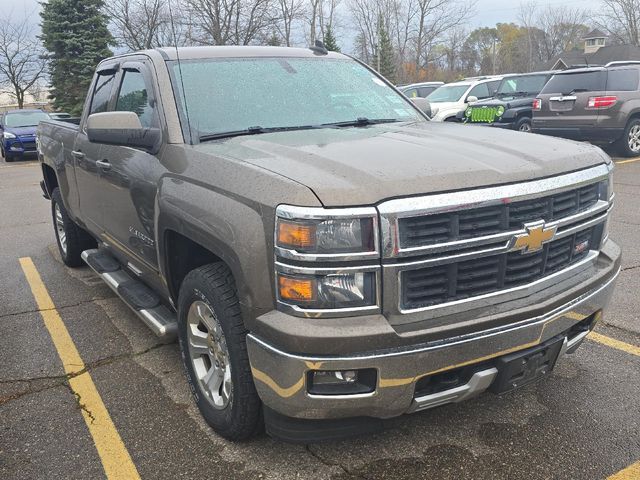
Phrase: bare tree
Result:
[137,23]
[621,19]
[561,28]
[290,12]
[22,62]
[230,22]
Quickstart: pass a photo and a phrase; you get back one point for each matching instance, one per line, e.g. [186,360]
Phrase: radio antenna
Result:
[184,93]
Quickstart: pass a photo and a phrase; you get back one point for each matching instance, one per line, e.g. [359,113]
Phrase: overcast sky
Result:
[488,12]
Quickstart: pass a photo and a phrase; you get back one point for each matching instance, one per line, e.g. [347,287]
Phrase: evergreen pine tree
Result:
[75,34]
[330,41]
[274,40]
[384,60]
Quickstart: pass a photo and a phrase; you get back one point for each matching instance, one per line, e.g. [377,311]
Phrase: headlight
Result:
[324,260]
[500,110]
[327,291]
[317,233]
[8,135]
[467,112]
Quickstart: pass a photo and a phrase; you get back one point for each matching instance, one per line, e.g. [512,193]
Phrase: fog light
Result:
[341,382]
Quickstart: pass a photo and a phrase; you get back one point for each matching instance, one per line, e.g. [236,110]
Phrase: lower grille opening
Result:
[448,380]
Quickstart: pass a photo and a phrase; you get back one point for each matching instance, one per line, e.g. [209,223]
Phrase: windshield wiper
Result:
[253,131]
[361,122]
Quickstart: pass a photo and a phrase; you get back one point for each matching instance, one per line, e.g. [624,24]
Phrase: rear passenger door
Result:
[131,179]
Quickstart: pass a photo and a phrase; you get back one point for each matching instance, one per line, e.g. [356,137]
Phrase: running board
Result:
[142,300]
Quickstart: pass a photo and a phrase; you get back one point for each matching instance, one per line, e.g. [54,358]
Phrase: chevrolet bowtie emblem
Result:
[536,236]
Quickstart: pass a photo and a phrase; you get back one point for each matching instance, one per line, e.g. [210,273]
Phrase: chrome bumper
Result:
[280,377]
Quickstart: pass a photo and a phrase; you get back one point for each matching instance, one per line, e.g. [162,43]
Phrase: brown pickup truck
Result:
[327,257]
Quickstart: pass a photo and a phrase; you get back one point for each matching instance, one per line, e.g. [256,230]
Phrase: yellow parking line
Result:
[631,160]
[115,458]
[613,343]
[632,472]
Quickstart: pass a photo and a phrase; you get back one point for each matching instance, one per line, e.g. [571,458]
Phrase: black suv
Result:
[512,104]
[598,104]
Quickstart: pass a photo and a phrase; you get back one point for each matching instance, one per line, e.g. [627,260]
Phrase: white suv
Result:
[454,97]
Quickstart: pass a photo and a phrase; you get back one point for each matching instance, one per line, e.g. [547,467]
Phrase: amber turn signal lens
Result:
[296,235]
[297,289]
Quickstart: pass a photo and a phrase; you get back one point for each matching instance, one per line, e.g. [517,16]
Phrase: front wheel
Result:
[524,125]
[214,351]
[629,143]
[71,239]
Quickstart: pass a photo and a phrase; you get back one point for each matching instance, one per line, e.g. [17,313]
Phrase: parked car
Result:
[598,104]
[420,90]
[512,105]
[326,255]
[454,97]
[18,130]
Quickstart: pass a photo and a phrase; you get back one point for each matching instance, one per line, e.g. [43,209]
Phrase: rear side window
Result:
[568,83]
[424,91]
[133,97]
[411,93]
[102,93]
[623,80]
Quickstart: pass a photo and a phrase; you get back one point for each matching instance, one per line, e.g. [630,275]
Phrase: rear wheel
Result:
[629,143]
[214,351]
[71,239]
[524,125]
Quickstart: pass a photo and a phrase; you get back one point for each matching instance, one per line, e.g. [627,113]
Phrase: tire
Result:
[523,125]
[7,156]
[212,338]
[629,144]
[71,239]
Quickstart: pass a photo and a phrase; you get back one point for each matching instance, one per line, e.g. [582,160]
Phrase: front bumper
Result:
[281,377]
[20,146]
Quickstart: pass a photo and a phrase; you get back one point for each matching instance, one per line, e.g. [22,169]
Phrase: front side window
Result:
[25,119]
[133,97]
[425,91]
[522,85]
[102,93]
[411,92]
[236,94]
[480,91]
[448,93]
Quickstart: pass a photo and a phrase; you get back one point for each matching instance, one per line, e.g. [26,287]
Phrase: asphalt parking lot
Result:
[583,422]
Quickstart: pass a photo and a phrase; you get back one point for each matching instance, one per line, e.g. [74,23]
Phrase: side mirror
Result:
[423,105]
[124,129]
[472,99]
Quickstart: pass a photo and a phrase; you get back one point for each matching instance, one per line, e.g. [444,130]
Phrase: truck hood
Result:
[365,165]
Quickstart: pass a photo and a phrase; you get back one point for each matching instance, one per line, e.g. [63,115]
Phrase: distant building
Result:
[36,100]
[595,52]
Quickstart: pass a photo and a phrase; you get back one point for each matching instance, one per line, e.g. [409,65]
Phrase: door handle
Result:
[77,154]
[103,164]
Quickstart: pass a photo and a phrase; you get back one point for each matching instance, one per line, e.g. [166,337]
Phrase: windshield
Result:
[448,93]
[237,94]
[24,119]
[522,85]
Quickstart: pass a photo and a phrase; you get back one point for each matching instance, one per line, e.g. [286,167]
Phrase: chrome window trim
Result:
[552,278]
[391,211]
[291,212]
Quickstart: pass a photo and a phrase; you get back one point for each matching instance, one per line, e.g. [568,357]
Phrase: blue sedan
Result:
[18,130]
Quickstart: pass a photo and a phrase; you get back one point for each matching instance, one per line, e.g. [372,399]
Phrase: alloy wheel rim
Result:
[209,354]
[634,139]
[62,235]
[525,127]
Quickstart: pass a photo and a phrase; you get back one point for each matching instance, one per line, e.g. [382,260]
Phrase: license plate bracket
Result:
[524,367]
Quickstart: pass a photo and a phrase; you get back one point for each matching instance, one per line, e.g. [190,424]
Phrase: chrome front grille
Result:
[444,254]
[476,222]
[429,286]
